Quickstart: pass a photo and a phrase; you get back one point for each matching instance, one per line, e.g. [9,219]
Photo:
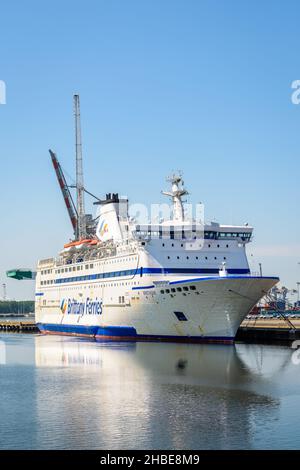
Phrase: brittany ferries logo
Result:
[87,307]
[63,306]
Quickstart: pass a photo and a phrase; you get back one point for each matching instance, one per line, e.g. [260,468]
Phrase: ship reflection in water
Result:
[86,395]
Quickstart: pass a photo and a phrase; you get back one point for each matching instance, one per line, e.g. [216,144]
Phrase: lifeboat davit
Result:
[93,243]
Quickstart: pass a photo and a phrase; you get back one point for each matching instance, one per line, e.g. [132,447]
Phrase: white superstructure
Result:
[176,280]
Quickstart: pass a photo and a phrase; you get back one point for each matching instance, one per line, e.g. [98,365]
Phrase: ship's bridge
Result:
[190,231]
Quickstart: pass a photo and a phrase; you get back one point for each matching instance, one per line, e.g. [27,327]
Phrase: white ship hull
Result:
[176,280]
[190,309]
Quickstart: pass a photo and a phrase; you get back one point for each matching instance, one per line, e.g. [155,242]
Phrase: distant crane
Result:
[72,211]
[4,291]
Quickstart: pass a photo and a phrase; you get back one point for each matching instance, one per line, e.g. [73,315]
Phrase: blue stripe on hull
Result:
[122,333]
[142,271]
[80,330]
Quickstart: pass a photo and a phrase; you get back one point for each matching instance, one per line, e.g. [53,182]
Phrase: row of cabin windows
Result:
[74,268]
[116,284]
[209,246]
[177,289]
[91,266]
[111,261]
[196,257]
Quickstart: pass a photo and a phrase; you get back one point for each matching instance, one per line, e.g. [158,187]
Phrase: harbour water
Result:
[66,393]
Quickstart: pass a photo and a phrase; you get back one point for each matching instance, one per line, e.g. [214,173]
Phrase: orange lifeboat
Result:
[79,243]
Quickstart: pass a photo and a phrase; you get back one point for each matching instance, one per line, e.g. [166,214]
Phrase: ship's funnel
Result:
[113,212]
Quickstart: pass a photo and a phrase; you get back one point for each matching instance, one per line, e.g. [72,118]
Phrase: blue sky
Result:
[201,86]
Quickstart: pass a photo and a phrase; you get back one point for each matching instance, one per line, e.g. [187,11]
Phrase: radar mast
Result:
[176,193]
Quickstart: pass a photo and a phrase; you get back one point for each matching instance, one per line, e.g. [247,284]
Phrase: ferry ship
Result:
[175,280]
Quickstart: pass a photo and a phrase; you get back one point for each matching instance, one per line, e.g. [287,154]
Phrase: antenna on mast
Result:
[81,225]
[176,193]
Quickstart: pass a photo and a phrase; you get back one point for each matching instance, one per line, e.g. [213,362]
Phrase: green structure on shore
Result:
[21,274]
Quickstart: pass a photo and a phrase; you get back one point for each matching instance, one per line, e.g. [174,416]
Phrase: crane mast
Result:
[81,226]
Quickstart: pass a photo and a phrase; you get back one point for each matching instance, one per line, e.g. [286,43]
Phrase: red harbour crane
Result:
[71,208]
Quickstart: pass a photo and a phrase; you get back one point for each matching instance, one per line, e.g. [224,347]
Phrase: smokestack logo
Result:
[2,92]
[103,228]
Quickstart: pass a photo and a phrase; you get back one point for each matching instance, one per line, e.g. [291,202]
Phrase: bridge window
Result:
[210,235]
